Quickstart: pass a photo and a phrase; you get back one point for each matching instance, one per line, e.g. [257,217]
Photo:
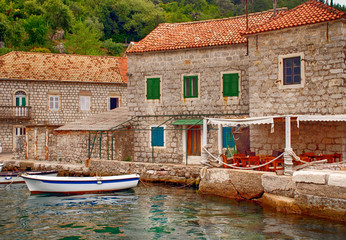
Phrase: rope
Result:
[245,168]
[10,182]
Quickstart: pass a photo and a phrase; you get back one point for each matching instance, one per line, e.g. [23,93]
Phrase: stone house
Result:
[298,68]
[42,91]
[183,72]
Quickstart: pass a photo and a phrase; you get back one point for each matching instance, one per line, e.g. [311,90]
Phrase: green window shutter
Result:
[153,88]
[227,138]
[157,136]
[17,101]
[230,85]
[190,86]
[23,102]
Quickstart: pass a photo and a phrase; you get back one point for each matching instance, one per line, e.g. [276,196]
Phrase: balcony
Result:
[14,113]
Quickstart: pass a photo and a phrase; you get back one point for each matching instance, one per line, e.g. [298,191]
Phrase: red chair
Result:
[337,157]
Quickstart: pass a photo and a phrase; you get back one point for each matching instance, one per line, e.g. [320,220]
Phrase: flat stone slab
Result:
[311,176]
[278,184]
[337,179]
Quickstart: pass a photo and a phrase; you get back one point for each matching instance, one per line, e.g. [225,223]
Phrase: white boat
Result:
[1,165]
[15,177]
[79,185]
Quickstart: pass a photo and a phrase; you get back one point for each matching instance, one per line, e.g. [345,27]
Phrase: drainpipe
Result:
[288,164]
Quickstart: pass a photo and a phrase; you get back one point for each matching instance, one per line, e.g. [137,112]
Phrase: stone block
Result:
[327,191]
[316,177]
[280,203]
[339,180]
[278,185]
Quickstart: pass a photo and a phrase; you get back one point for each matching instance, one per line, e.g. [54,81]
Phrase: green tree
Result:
[113,48]
[84,40]
[58,15]
[15,34]
[36,29]
[137,17]
[32,8]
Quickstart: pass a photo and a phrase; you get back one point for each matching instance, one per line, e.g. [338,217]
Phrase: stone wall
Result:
[72,146]
[317,137]
[171,66]
[209,64]
[324,62]
[315,193]
[69,92]
[6,138]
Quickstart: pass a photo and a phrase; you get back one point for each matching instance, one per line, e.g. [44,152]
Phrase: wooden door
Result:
[194,141]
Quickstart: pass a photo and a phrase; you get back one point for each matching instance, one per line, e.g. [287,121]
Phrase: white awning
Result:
[329,118]
[243,121]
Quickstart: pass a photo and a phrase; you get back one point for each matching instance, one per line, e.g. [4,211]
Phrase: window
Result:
[153,88]
[84,103]
[190,86]
[230,85]
[20,99]
[227,138]
[292,71]
[20,131]
[113,102]
[157,136]
[54,102]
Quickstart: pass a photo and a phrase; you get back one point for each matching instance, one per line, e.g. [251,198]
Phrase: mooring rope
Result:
[19,174]
[244,168]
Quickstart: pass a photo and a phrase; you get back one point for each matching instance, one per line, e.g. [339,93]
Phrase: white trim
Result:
[86,106]
[198,87]
[281,71]
[145,89]
[232,99]
[53,107]
[164,136]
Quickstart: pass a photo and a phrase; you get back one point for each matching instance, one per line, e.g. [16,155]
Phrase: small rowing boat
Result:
[15,177]
[79,185]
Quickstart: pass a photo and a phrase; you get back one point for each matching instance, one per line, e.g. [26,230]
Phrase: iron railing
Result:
[14,112]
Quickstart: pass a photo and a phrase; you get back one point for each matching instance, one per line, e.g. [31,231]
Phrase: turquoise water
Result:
[149,212]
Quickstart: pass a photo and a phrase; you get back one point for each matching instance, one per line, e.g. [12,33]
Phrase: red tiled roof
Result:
[173,36]
[63,67]
[310,12]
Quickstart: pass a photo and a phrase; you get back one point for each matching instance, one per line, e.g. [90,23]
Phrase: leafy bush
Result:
[113,48]
[40,50]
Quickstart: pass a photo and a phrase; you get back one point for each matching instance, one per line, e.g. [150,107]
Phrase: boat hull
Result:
[79,185]
[15,177]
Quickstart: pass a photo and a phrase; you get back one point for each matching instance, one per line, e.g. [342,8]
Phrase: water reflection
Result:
[154,212]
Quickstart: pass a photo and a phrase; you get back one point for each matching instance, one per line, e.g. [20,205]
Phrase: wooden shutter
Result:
[157,136]
[153,88]
[227,137]
[230,85]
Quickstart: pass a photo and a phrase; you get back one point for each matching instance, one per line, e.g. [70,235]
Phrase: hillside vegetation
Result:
[103,27]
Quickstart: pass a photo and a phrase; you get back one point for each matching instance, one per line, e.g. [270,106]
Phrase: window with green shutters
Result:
[190,86]
[153,88]
[230,86]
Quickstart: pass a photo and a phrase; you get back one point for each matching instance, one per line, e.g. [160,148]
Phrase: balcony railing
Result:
[13,112]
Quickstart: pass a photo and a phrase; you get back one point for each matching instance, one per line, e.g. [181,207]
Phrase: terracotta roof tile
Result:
[62,67]
[310,12]
[173,36]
